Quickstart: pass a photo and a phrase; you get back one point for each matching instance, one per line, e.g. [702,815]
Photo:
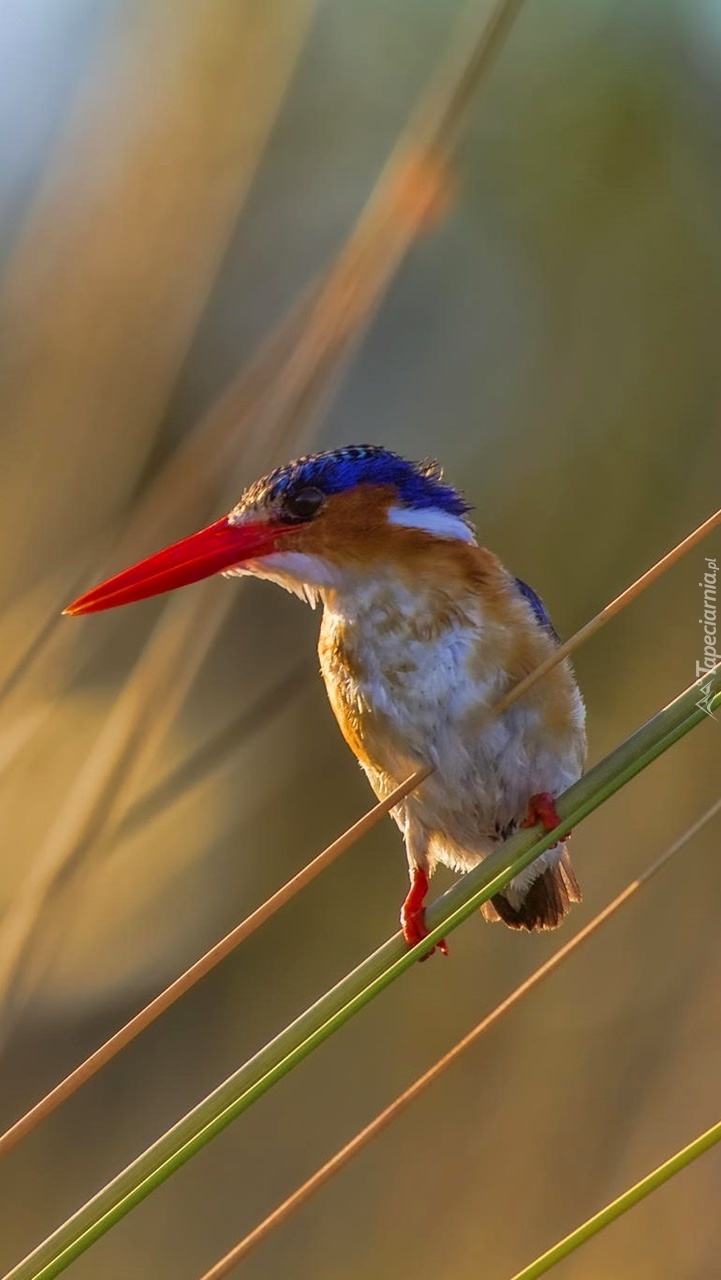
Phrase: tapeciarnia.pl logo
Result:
[708,622]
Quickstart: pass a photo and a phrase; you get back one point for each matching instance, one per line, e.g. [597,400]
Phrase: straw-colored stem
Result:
[296,1041]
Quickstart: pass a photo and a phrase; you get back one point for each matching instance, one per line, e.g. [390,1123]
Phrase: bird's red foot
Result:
[413,916]
[542,808]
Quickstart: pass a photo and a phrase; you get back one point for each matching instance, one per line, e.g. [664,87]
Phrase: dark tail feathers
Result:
[542,905]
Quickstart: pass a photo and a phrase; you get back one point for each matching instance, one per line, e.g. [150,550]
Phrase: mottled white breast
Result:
[397,665]
[401,659]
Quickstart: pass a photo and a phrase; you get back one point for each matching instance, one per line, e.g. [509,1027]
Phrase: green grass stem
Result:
[236,1094]
[624,1202]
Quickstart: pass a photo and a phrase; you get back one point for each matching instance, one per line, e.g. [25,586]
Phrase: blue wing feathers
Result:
[539,609]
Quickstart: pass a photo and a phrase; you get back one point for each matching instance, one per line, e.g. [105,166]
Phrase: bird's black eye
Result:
[304,504]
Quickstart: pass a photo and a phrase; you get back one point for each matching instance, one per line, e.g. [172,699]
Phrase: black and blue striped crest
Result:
[419,484]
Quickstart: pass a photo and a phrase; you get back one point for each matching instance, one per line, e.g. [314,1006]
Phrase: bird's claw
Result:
[413,916]
[542,808]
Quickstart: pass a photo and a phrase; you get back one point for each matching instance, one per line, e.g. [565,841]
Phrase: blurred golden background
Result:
[173,178]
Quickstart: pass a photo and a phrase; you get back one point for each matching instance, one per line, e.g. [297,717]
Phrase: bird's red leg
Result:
[542,808]
[413,913]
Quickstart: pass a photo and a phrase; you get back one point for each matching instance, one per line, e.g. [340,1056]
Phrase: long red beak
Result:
[209,551]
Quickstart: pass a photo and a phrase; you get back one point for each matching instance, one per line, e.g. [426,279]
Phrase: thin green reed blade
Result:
[296,1041]
[622,1204]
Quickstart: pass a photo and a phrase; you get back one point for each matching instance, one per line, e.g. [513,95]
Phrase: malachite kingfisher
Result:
[422,631]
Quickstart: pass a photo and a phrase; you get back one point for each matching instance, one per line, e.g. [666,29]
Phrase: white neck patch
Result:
[304,575]
[432,520]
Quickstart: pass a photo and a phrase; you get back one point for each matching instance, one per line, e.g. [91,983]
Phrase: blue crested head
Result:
[419,484]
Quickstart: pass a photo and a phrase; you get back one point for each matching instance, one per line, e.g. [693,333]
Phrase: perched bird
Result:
[422,631]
